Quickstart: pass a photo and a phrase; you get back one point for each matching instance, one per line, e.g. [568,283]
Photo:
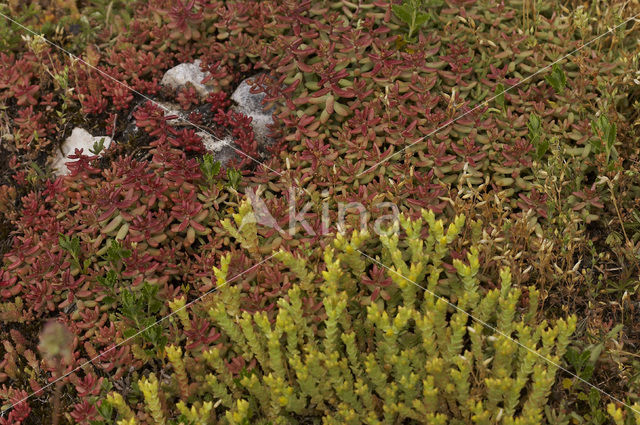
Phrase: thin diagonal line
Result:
[494,329]
[448,123]
[138,333]
[125,85]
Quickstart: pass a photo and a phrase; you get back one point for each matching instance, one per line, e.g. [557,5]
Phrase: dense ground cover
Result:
[146,287]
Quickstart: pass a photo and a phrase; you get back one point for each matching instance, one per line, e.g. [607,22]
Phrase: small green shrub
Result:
[415,358]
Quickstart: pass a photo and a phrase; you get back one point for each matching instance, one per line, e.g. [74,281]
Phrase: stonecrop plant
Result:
[482,358]
[521,116]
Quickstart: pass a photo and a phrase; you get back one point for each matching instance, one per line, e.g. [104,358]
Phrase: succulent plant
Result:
[127,238]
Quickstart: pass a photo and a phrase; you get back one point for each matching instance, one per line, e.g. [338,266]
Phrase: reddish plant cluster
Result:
[242,133]
[23,89]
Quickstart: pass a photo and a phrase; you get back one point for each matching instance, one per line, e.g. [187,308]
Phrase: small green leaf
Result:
[541,149]
[594,398]
[116,252]
[499,95]
[128,304]
[37,168]
[97,146]
[109,280]
[105,410]
[234,177]
[422,18]
[129,332]
[535,136]
[404,12]
[106,386]
[604,137]
[611,135]
[534,123]
[587,371]
[71,245]
[584,357]
[210,168]
[557,79]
